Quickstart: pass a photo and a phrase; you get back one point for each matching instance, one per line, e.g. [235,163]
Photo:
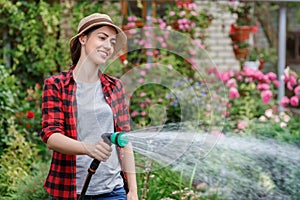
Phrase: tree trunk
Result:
[268,21]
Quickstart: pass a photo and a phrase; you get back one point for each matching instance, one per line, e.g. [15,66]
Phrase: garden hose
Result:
[118,139]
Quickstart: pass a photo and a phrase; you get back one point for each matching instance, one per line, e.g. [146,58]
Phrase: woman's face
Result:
[99,45]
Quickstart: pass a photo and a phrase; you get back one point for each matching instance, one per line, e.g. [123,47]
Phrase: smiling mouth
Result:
[103,53]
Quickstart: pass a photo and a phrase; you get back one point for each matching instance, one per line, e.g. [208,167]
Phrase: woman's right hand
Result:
[100,150]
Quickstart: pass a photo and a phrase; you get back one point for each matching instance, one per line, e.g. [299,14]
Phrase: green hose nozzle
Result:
[119,139]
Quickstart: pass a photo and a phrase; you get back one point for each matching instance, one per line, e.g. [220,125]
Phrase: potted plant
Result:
[244,24]
[241,50]
[255,59]
[243,12]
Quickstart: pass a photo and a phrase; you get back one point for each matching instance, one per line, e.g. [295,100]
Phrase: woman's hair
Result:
[75,49]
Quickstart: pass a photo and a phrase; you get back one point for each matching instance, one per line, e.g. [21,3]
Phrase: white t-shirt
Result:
[94,118]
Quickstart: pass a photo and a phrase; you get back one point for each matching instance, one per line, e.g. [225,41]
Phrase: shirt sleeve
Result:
[123,111]
[52,109]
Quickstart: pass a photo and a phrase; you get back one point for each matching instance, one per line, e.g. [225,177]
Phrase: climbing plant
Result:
[36,34]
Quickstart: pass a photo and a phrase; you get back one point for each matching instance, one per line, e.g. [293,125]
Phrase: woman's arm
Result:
[53,130]
[63,144]
[128,165]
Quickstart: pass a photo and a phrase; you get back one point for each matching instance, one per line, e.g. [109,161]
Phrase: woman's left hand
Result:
[132,196]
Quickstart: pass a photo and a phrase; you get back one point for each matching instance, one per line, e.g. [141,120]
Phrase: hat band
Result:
[93,22]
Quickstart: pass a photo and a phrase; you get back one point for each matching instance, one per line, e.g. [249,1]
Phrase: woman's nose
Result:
[107,44]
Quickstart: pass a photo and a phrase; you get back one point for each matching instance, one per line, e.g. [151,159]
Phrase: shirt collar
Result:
[104,79]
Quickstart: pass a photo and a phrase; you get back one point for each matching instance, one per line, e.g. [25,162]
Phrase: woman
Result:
[80,105]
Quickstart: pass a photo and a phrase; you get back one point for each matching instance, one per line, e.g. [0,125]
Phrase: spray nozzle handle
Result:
[107,138]
[119,139]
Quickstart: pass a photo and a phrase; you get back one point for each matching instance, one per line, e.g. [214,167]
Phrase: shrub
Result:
[31,186]
[17,161]
[8,101]
[251,93]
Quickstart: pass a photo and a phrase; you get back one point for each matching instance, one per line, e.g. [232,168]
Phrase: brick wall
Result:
[218,40]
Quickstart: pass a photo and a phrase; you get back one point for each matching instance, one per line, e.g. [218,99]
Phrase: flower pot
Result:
[241,54]
[252,64]
[175,25]
[261,64]
[241,33]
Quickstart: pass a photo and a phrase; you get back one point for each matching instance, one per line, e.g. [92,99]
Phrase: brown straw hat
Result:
[100,19]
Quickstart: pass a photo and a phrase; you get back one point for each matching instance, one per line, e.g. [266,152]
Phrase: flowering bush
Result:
[243,12]
[292,89]
[181,22]
[185,17]
[251,93]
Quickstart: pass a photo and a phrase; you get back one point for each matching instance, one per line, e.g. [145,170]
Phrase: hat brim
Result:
[120,36]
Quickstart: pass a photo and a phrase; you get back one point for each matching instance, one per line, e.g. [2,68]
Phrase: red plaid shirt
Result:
[59,116]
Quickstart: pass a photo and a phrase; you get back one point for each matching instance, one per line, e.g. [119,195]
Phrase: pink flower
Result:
[141,80]
[192,6]
[242,125]
[233,3]
[143,72]
[248,80]
[148,66]
[239,77]
[231,83]
[142,105]
[289,86]
[262,119]
[148,100]
[265,79]
[193,52]
[294,101]
[260,76]
[162,25]
[266,96]
[254,29]
[269,113]
[149,53]
[290,81]
[38,86]
[297,90]
[249,71]
[293,80]
[233,93]
[225,76]
[198,43]
[143,113]
[134,113]
[284,101]
[276,83]
[225,114]
[142,94]
[272,75]
[171,13]
[212,70]
[263,86]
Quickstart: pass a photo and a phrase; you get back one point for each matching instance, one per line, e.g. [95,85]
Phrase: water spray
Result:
[118,139]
